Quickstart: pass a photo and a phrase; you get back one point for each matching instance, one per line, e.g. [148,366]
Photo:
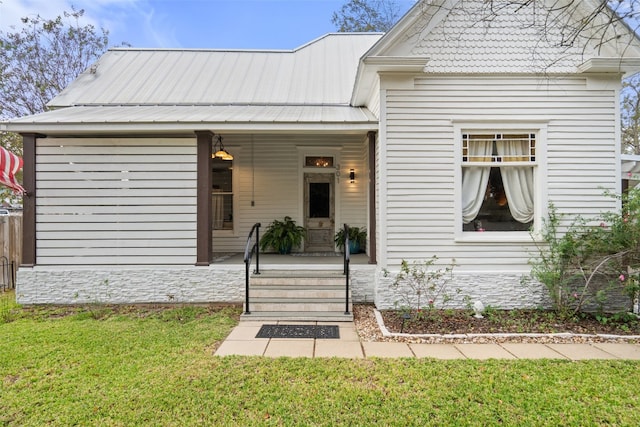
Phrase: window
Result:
[318,162]
[222,194]
[498,181]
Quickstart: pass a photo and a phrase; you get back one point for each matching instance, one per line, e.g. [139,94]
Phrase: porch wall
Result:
[132,201]
[126,201]
[131,285]
[269,183]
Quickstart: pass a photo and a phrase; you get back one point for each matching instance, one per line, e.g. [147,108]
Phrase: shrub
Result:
[422,288]
[589,260]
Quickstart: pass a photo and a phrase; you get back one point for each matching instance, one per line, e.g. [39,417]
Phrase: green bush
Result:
[583,264]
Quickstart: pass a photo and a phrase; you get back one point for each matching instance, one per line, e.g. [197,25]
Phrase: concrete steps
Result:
[298,296]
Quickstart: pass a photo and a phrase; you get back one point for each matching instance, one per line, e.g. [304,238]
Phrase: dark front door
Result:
[319,211]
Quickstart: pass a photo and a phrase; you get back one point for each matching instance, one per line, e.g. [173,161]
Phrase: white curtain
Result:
[474,180]
[218,210]
[517,180]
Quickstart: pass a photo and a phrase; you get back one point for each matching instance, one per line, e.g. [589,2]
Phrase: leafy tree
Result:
[366,16]
[42,58]
[630,114]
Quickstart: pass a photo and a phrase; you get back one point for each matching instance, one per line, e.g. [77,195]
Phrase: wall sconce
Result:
[352,175]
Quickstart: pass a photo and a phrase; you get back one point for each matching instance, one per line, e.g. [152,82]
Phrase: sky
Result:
[216,24]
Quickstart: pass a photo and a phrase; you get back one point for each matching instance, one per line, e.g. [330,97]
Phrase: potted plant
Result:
[282,236]
[357,239]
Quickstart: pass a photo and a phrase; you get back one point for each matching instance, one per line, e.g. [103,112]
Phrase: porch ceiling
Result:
[154,118]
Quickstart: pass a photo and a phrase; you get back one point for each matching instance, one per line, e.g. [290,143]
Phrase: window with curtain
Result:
[222,194]
[498,181]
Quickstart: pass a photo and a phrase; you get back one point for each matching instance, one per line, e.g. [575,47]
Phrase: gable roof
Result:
[150,89]
[319,73]
[467,37]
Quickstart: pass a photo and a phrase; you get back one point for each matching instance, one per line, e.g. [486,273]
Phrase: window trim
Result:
[539,173]
[235,150]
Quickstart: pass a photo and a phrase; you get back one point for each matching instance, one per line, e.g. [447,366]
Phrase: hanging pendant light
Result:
[220,153]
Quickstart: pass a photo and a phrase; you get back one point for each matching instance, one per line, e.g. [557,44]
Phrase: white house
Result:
[449,136]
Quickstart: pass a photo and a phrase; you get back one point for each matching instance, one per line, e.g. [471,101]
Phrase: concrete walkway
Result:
[242,341]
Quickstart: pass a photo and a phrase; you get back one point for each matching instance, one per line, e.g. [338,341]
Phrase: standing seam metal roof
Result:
[321,72]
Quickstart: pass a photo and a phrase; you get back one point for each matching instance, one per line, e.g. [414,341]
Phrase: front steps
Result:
[292,295]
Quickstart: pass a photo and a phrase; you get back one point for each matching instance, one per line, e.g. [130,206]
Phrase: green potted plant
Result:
[282,236]
[357,239]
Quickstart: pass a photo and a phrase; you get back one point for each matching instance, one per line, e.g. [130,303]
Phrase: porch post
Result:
[372,197]
[205,180]
[29,199]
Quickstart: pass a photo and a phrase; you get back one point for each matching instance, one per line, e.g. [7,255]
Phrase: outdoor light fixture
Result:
[352,175]
[220,153]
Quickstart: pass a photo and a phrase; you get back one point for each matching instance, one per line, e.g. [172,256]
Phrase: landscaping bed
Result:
[496,325]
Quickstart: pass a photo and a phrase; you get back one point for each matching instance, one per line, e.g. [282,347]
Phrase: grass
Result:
[68,367]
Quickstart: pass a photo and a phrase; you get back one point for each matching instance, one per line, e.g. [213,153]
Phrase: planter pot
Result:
[285,250]
[354,247]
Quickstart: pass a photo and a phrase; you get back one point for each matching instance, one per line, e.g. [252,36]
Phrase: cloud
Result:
[132,21]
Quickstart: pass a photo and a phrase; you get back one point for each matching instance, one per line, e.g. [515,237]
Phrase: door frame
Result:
[320,177]
[302,169]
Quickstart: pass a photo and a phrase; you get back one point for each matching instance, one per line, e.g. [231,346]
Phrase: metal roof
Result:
[320,72]
[150,90]
[152,118]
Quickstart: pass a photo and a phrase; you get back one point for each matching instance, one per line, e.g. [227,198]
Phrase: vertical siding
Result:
[116,201]
[421,162]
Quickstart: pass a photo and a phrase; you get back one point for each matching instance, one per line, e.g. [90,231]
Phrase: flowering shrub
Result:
[585,264]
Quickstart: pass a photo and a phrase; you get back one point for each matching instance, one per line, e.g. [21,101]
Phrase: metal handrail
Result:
[248,253]
[347,259]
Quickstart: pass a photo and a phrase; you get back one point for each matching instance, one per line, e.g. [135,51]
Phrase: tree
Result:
[630,115]
[366,16]
[42,58]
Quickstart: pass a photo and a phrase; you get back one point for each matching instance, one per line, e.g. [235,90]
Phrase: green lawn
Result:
[128,369]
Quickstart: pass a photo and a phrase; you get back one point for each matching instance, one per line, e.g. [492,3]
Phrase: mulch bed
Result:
[505,321]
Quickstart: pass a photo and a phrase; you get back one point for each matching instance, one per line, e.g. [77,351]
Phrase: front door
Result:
[319,211]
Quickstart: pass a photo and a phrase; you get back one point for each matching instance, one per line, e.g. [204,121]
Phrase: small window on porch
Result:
[222,194]
[318,162]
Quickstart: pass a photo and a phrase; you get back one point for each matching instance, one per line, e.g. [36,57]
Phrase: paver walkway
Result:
[242,341]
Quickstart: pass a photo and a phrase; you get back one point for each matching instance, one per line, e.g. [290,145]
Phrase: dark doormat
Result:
[299,331]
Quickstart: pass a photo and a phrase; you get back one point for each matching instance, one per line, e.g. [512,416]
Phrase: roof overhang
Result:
[625,66]
[150,119]
[371,66]
[630,166]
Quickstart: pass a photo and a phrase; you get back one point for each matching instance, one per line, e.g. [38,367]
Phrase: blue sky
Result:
[233,24]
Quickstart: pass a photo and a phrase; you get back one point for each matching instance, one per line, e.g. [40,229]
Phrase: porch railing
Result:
[347,259]
[249,250]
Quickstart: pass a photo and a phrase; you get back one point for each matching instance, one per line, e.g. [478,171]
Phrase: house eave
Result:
[152,128]
[625,66]
[370,67]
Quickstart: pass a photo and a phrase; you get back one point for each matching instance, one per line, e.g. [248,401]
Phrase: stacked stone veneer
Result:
[115,285]
[500,290]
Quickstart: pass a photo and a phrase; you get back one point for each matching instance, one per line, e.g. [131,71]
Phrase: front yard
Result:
[155,367]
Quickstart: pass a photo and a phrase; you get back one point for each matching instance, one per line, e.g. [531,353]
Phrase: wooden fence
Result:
[10,249]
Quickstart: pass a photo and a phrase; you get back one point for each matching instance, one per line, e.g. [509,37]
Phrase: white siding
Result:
[133,201]
[422,162]
[269,173]
[115,201]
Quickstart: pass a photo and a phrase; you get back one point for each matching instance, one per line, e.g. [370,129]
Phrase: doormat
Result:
[299,331]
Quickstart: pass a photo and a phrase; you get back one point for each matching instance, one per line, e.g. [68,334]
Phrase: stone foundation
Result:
[132,285]
[499,290]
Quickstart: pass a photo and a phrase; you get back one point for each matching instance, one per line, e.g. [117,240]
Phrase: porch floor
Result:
[267,260]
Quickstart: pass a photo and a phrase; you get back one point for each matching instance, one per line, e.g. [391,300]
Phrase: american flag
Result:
[10,164]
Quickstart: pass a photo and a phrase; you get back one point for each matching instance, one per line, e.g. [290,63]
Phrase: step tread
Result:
[325,316]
